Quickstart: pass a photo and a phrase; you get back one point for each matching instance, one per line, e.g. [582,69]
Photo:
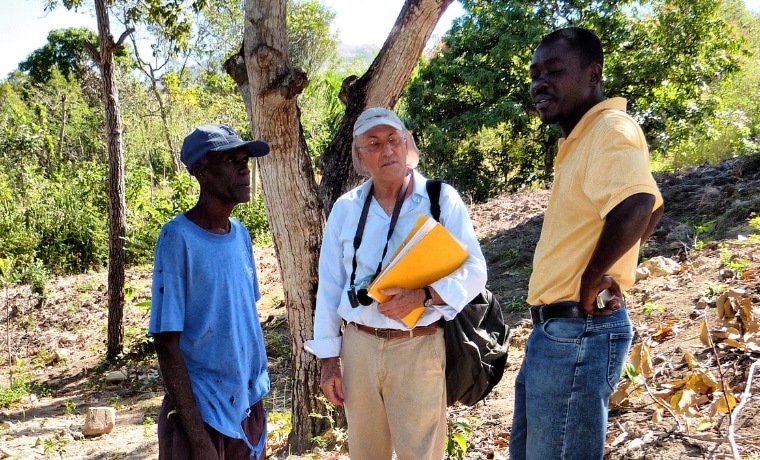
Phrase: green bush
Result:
[253,216]
[70,217]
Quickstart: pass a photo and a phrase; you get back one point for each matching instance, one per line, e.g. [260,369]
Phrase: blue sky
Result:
[24,25]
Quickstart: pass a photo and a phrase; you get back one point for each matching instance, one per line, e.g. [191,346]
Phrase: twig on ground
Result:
[665,406]
[735,412]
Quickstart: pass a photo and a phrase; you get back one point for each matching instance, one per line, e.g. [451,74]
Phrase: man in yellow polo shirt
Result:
[604,203]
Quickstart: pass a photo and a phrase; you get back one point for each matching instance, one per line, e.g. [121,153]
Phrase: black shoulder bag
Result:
[476,339]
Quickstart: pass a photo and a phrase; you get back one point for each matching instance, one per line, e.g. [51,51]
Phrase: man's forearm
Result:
[624,227]
[177,383]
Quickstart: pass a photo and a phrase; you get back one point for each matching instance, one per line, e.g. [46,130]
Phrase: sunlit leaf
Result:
[733,343]
[682,401]
[725,402]
[690,359]
[662,333]
[704,424]
[640,359]
[733,333]
[704,333]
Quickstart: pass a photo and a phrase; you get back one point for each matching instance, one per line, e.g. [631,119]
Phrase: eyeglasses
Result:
[375,146]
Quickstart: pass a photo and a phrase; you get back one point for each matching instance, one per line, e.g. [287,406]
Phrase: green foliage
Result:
[311,45]
[36,275]
[666,72]
[470,109]
[715,289]
[253,216]
[321,112]
[727,259]
[457,432]
[754,222]
[13,393]
[651,307]
[334,438]
[65,51]
[58,222]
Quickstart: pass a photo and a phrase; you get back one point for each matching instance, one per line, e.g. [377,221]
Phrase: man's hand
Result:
[403,302]
[591,290]
[331,381]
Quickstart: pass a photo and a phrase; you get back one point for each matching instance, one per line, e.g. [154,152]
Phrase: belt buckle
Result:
[383,333]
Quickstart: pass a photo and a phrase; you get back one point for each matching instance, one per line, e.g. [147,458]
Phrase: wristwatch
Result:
[428,297]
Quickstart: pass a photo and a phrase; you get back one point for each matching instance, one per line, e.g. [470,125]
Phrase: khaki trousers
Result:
[395,396]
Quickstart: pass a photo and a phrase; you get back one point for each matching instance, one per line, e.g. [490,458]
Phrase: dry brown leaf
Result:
[681,402]
[751,275]
[733,343]
[704,334]
[620,397]
[640,359]
[720,304]
[662,333]
[690,359]
[725,402]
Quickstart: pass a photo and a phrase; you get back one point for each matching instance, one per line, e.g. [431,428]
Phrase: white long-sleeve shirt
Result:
[335,262]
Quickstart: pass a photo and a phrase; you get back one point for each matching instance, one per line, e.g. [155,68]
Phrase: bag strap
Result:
[433,187]
[363,220]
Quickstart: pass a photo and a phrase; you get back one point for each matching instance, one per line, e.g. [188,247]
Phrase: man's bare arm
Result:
[177,383]
[626,225]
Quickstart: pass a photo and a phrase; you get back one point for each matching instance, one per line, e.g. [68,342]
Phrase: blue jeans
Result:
[569,371]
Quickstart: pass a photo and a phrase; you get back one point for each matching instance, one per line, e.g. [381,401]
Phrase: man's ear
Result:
[595,76]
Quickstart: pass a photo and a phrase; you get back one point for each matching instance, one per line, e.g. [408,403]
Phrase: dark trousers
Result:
[173,443]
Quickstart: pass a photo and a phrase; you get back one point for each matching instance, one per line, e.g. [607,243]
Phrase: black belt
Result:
[567,309]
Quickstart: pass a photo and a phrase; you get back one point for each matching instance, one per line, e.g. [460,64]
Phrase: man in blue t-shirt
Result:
[203,318]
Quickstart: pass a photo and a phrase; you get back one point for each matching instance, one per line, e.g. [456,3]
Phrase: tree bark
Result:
[269,86]
[117,217]
[290,194]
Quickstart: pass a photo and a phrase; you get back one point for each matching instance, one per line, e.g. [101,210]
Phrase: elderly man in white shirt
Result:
[389,377]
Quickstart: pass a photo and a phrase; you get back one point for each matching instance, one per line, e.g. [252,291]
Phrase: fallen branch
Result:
[735,413]
[665,406]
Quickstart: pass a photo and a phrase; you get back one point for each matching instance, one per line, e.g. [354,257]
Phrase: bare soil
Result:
[57,345]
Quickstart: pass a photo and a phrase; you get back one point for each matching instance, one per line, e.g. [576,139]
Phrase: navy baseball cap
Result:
[217,138]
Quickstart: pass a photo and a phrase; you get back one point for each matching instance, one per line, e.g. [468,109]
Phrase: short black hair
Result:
[584,41]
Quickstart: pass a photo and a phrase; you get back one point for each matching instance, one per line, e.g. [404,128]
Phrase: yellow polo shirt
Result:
[603,161]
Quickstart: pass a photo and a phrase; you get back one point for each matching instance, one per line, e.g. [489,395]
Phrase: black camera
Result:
[358,295]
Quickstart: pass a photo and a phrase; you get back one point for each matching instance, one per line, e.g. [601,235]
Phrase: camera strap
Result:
[363,221]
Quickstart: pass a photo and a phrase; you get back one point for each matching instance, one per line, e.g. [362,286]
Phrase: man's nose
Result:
[536,85]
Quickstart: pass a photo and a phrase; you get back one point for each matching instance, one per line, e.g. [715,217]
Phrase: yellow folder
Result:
[429,252]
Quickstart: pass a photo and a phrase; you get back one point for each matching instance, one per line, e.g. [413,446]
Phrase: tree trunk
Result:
[290,193]
[61,137]
[117,217]
[382,85]
[270,86]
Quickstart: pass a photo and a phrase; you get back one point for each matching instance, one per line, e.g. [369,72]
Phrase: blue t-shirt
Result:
[205,286]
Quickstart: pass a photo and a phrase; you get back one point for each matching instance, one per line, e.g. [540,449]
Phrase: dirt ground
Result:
[670,406]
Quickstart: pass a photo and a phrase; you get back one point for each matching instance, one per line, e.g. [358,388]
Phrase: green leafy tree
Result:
[666,71]
[65,50]
[311,45]
[470,103]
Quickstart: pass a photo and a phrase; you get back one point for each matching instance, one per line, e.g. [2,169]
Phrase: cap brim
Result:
[377,122]
[252,148]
